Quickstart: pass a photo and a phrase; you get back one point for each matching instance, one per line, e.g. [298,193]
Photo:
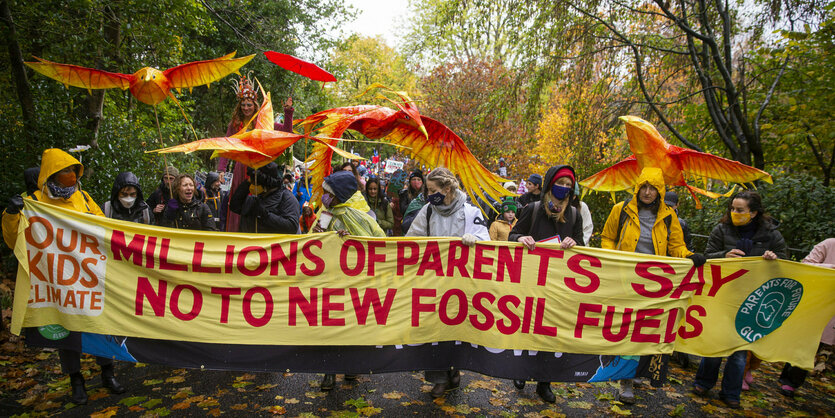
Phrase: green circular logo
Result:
[53,332]
[765,309]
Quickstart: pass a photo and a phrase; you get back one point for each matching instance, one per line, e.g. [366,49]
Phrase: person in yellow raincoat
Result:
[645,224]
[58,185]
[350,214]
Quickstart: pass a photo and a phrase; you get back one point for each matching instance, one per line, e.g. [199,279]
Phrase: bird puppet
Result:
[148,85]
[649,149]
[428,141]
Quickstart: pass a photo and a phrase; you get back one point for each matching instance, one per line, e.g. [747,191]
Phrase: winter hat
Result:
[563,172]
[416,173]
[510,186]
[509,204]
[268,176]
[535,179]
[171,171]
[342,184]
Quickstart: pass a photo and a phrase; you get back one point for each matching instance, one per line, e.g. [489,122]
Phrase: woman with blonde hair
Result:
[447,215]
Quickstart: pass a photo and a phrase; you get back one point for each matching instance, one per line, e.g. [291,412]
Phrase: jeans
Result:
[708,374]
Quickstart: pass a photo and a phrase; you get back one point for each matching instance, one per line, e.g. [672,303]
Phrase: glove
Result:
[251,207]
[171,208]
[698,259]
[15,204]
[469,240]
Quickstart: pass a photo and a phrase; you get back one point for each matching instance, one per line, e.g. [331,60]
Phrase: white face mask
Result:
[127,202]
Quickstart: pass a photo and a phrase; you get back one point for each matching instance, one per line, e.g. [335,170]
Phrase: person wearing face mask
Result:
[347,214]
[58,185]
[557,214]
[744,231]
[447,215]
[264,204]
[126,202]
[645,224]
[185,210]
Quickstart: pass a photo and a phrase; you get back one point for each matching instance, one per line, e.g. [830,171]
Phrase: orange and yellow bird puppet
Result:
[649,149]
[428,141]
[148,85]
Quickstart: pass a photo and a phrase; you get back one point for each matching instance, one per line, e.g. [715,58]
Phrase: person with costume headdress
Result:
[58,185]
[246,108]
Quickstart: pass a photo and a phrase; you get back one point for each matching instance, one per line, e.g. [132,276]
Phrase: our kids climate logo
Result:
[67,265]
[765,309]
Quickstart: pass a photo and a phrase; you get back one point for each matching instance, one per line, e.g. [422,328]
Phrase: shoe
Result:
[682,359]
[520,384]
[733,404]
[625,395]
[745,385]
[327,382]
[438,390]
[787,390]
[455,380]
[108,380]
[77,389]
[700,391]
[543,389]
[350,377]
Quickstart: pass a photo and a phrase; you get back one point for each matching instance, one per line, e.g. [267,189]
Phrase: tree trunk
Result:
[95,102]
[24,94]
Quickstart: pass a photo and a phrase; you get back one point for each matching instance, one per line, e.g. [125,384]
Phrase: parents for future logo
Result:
[765,309]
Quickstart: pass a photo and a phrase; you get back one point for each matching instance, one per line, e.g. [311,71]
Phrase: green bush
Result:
[803,206]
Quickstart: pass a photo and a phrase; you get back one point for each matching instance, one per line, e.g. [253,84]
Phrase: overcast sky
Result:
[377,17]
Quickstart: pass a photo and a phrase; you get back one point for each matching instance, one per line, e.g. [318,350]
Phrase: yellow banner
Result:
[103,276]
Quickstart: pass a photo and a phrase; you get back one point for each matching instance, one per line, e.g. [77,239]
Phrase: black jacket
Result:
[136,213]
[160,196]
[217,204]
[724,238]
[534,221]
[276,211]
[528,198]
[193,215]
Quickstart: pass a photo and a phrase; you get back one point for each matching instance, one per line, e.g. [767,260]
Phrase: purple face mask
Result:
[327,199]
[560,192]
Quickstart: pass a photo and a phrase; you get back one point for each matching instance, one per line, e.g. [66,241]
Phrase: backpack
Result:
[623,216]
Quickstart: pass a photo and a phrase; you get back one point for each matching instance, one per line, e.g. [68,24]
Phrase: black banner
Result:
[510,364]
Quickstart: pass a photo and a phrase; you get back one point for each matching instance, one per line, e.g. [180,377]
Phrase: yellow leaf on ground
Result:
[105,413]
[394,395]
[616,409]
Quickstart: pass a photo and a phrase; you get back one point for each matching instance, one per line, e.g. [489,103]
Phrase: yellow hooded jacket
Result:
[353,217]
[631,231]
[53,161]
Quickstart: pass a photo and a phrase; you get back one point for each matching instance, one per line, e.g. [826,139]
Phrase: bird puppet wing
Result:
[82,77]
[198,73]
[429,142]
[621,176]
[702,164]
